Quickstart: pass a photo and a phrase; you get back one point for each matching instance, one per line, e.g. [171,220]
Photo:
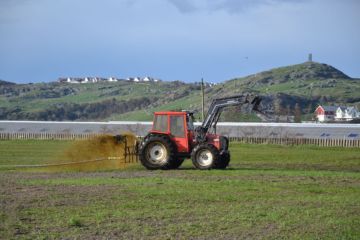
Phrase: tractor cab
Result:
[177,125]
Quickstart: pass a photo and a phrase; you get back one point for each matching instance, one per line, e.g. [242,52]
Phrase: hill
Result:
[304,85]
[307,79]
[285,90]
[5,83]
[91,101]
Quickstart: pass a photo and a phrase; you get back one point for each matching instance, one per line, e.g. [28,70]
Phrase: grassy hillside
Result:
[97,101]
[309,79]
[304,85]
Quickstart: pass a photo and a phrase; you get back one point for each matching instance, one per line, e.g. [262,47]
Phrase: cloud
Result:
[7,7]
[231,6]
[184,6]
[234,6]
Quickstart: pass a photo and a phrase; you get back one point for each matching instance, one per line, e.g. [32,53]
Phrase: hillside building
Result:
[145,79]
[336,113]
[347,113]
[110,79]
[310,57]
[325,113]
[87,80]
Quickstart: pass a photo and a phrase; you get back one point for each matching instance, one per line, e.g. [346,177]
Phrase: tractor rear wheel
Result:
[223,161]
[158,152]
[204,156]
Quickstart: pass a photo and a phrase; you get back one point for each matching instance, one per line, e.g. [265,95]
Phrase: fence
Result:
[47,136]
[300,141]
[325,142]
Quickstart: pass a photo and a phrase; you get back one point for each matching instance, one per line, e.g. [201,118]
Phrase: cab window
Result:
[190,123]
[177,128]
[160,123]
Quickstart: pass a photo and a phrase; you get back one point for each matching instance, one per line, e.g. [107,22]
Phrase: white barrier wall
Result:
[233,130]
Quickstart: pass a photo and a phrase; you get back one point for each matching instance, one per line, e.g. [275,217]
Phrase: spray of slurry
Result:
[104,152]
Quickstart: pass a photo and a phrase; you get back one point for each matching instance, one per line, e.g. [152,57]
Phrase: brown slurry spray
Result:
[103,152]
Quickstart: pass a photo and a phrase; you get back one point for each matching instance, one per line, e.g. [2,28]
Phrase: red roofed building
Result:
[325,113]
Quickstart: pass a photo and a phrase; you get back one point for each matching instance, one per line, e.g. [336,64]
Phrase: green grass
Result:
[304,157]
[244,156]
[195,205]
[269,192]
[31,151]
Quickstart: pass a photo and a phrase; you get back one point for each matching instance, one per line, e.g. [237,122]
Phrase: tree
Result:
[297,113]
[277,106]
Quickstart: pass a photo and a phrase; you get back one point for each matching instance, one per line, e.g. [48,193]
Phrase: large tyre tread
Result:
[223,161]
[209,147]
[171,151]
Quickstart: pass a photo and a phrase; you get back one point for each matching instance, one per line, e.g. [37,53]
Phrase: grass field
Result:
[269,192]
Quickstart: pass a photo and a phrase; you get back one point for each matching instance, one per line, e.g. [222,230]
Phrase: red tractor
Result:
[173,137]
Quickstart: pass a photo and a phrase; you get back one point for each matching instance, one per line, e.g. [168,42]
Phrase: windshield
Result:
[190,122]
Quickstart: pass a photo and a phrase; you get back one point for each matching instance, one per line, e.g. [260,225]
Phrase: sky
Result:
[42,40]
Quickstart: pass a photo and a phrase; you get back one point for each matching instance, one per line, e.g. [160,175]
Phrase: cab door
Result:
[178,132]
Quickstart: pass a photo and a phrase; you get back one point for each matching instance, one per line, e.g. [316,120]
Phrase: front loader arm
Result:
[216,107]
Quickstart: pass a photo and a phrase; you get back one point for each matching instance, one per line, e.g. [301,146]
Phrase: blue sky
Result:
[41,40]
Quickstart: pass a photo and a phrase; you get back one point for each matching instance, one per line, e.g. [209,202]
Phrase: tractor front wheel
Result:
[223,161]
[157,152]
[204,156]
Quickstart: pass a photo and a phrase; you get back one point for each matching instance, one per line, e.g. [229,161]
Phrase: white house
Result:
[147,79]
[346,113]
[112,79]
[72,80]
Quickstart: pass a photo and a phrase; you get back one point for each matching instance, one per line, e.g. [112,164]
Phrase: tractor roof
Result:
[170,112]
[183,112]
